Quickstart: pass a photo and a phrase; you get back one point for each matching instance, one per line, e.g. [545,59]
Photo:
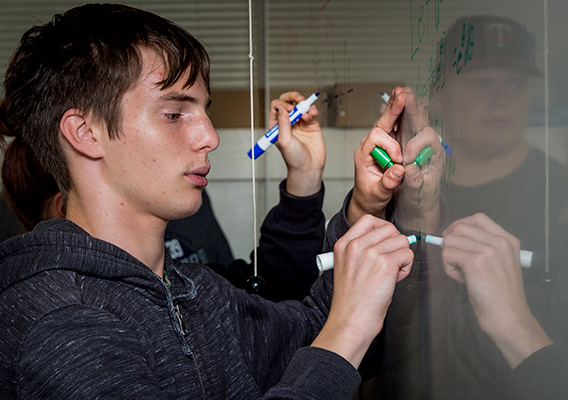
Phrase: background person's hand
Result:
[302,145]
[481,254]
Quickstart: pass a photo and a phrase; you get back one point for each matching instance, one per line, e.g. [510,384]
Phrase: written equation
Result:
[427,35]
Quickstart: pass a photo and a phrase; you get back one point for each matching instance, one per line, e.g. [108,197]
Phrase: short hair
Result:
[87,58]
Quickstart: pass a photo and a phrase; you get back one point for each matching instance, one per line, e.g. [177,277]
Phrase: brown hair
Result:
[27,186]
[87,58]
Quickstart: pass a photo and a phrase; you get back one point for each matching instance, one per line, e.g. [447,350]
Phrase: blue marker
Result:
[272,135]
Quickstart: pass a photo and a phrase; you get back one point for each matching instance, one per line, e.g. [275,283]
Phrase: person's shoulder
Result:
[41,290]
[57,255]
[28,299]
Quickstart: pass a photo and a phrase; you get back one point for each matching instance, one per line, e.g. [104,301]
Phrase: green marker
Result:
[382,157]
[423,157]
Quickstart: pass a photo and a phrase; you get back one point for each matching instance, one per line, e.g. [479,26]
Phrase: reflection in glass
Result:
[442,336]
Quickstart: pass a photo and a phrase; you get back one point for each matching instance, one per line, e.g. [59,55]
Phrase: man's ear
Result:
[81,132]
[59,205]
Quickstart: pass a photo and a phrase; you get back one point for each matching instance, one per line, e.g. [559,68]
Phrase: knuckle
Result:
[367,219]
[477,259]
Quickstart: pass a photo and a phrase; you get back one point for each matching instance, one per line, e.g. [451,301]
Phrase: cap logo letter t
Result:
[500,34]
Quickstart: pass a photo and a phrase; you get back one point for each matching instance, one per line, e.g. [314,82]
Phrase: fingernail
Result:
[397,174]
[413,172]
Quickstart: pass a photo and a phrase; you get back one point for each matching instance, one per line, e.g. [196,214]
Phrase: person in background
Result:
[484,111]
[10,225]
[92,305]
[30,191]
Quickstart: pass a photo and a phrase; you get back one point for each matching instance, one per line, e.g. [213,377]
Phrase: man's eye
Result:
[172,117]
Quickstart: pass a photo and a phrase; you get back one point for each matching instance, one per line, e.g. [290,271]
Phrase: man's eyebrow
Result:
[182,97]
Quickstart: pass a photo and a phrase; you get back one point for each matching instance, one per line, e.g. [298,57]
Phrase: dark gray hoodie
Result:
[83,319]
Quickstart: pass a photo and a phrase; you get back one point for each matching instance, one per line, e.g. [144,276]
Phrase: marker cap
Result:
[412,239]
[434,240]
[324,261]
[526,258]
[382,157]
[423,157]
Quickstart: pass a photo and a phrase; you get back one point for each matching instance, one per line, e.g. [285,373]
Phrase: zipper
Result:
[185,333]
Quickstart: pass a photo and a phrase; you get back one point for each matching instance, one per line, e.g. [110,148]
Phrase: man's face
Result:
[159,164]
[486,110]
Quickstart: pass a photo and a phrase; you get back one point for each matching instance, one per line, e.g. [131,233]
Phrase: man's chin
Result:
[185,211]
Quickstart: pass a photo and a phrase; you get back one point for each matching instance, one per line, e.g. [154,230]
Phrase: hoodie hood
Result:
[62,245]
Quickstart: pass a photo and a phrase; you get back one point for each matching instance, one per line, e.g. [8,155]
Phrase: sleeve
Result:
[285,366]
[316,373]
[291,238]
[338,225]
[82,353]
[543,374]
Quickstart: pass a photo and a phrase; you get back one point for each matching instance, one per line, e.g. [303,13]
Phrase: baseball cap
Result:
[489,41]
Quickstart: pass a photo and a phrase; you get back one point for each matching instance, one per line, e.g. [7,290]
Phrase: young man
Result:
[113,101]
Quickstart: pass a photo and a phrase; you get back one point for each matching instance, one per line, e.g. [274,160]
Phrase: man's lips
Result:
[198,176]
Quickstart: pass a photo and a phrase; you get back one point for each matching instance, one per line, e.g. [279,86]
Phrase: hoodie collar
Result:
[62,245]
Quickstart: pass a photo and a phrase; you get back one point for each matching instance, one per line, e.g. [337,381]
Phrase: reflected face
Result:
[159,164]
[486,110]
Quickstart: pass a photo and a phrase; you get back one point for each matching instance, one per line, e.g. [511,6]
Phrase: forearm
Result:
[302,183]
[292,236]
[521,339]
[338,225]
[356,210]
[349,343]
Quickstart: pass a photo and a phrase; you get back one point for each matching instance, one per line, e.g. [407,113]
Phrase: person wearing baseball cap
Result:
[438,341]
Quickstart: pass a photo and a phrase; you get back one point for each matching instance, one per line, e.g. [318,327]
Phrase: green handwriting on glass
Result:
[420,12]
[464,52]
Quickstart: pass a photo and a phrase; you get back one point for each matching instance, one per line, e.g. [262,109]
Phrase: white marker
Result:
[325,261]
[272,135]
[385,97]
[526,256]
